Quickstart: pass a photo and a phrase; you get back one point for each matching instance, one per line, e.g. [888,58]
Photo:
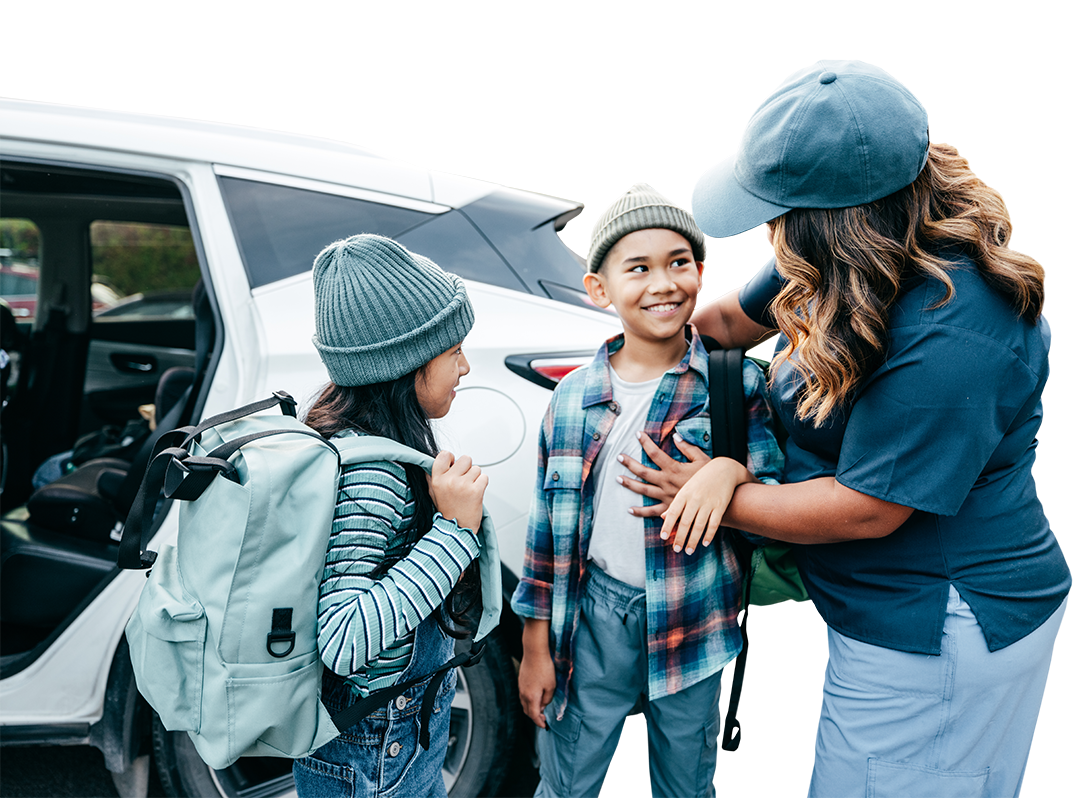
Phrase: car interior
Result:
[115,344]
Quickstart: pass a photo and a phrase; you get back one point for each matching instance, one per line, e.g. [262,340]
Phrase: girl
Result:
[400,576]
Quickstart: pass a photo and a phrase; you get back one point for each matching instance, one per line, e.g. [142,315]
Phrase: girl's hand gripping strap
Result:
[364,448]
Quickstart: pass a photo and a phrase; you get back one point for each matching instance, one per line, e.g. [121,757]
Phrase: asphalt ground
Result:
[76,771]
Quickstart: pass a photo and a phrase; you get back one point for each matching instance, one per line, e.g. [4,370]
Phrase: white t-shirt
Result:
[617,536]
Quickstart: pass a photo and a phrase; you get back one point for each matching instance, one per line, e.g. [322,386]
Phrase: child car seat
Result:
[62,543]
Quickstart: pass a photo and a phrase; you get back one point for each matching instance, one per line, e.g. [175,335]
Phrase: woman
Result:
[909,376]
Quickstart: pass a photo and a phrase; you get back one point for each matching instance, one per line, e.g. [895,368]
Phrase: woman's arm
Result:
[820,510]
[816,511]
[726,322]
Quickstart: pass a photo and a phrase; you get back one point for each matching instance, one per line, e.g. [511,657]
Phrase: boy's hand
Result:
[661,483]
[457,489]
[697,510]
[537,675]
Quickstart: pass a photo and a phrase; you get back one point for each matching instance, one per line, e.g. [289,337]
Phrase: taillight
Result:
[546,369]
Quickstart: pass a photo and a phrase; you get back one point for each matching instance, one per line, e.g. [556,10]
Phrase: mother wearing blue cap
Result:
[909,374]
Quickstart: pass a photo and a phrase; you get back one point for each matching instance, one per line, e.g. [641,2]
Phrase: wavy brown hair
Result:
[844,268]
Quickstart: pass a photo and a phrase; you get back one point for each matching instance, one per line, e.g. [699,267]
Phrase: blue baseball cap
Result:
[834,135]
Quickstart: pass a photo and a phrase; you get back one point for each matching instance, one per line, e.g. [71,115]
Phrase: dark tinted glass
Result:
[453,243]
[280,230]
[523,227]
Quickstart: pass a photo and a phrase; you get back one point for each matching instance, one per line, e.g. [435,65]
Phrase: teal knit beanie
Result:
[641,208]
[381,312]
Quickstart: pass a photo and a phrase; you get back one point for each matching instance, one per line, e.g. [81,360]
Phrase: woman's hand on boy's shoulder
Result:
[664,481]
[457,489]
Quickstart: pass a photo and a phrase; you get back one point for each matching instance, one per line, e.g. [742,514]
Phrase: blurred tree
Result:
[142,258]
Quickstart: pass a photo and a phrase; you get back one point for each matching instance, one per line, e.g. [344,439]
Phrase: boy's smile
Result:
[652,280]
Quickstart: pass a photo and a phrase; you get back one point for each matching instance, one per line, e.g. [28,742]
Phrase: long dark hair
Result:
[392,410]
[844,269]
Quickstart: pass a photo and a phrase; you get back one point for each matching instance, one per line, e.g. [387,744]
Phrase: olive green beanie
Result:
[641,208]
[381,311]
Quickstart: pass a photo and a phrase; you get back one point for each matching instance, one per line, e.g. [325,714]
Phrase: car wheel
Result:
[483,724]
[184,774]
[483,730]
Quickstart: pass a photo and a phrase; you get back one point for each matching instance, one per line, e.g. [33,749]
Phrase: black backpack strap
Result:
[351,715]
[727,400]
[138,525]
[727,406]
[172,470]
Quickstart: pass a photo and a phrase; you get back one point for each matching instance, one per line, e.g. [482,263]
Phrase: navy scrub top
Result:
[945,425]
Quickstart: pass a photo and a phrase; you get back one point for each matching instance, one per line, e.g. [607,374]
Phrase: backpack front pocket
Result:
[166,638]
[299,725]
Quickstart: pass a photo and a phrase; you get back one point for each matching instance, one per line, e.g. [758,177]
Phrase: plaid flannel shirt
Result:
[693,600]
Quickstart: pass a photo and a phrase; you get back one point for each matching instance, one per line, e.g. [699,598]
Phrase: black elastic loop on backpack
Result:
[280,632]
[187,478]
[351,715]
[288,405]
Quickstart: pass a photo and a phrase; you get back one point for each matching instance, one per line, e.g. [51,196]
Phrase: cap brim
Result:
[722,207]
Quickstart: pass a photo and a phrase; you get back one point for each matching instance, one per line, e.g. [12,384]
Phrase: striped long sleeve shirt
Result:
[378,585]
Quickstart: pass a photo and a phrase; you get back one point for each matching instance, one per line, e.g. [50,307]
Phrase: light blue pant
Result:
[959,724]
[610,678]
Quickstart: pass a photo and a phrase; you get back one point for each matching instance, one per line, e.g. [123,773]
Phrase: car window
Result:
[142,270]
[280,229]
[454,243]
[20,242]
[523,228]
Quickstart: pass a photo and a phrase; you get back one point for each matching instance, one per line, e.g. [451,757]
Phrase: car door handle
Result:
[133,364]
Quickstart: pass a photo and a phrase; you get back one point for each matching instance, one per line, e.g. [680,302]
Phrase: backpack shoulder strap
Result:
[354,713]
[727,406]
[727,400]
[366,448]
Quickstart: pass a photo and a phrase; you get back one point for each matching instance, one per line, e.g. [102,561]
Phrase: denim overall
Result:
[381,755]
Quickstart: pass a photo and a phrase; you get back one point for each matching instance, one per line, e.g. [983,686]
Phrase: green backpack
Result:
[769,572]
[223,641]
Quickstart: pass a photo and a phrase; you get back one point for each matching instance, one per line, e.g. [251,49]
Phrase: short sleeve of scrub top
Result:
[930,420]
[944,409]
[756,296]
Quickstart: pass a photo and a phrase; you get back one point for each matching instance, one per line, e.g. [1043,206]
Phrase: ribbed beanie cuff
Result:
[381,312]
[641,208]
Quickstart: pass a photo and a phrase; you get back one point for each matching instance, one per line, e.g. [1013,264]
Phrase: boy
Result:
[616,618]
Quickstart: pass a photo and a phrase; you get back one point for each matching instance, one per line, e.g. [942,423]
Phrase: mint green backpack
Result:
[224,638]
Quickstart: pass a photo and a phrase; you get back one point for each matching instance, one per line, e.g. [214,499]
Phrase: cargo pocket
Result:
[897,779]
[708,755]
[166,638]
[294,729]
[559,750]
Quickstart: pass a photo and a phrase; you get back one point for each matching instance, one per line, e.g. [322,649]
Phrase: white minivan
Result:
[169,271]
